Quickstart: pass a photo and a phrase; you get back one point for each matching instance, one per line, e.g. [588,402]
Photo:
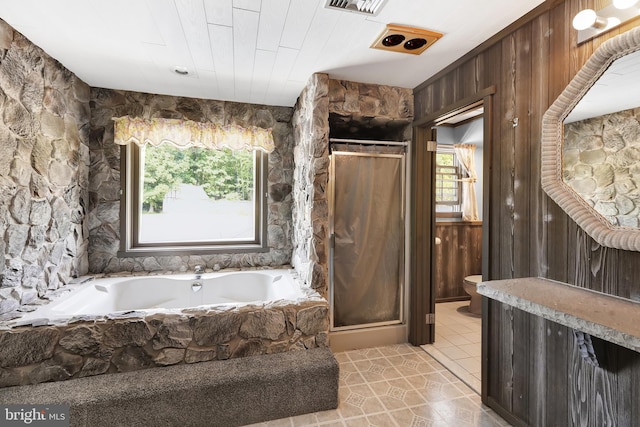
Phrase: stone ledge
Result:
[604,316]
[229,393]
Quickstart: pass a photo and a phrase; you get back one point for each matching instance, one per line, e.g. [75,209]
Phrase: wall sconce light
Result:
[624,4]
[590,23]
[588,18]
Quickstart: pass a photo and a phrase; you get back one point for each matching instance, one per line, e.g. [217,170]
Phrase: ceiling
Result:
[254,51]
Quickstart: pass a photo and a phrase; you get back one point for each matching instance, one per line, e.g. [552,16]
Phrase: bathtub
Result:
[121,324]
[152,294]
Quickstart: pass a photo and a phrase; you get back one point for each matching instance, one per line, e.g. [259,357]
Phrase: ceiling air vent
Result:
[367,7]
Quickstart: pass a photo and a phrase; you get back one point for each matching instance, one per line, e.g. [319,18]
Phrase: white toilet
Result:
[469,284]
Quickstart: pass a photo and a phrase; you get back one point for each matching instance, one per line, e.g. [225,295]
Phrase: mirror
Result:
[591,145]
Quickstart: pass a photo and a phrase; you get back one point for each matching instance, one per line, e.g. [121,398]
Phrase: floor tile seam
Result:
[457,348]
[369,383]
[366,416]
[385,411]
[465,381]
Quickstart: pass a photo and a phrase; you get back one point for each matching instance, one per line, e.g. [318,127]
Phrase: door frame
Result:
[422,217]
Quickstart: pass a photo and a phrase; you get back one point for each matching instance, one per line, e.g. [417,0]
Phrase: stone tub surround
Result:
[104,179]
[608,317]
[129,341]
[44,173]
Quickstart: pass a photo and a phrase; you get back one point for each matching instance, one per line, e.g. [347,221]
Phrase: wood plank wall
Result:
[534,374]
[458,255]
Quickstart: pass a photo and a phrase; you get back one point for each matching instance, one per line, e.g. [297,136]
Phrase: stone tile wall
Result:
[601,162]
[311,210]
[368,111]
[44,170]
[334,108]
[31,355]
[104,191]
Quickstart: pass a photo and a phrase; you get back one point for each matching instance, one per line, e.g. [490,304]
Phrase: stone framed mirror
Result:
[591,145]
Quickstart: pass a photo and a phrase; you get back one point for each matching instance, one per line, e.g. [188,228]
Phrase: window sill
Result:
[196,250]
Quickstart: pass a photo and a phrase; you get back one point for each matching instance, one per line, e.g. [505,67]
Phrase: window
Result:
[193,200]
[448,186]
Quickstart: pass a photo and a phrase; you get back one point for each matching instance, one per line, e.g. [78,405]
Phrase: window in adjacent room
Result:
[448,187]
[190,197]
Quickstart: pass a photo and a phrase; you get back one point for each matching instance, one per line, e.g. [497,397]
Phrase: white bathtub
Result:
[169,292]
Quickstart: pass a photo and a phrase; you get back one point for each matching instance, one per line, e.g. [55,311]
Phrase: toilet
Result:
[469,284]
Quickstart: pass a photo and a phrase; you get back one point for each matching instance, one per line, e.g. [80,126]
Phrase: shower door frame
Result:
[405,203]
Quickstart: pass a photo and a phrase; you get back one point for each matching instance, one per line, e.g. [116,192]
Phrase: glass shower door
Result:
[367,225]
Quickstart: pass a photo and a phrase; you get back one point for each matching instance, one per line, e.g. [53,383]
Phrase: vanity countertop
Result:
[604,316]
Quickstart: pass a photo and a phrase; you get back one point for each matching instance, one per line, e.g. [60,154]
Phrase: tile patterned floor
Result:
[398,386]
[458,341]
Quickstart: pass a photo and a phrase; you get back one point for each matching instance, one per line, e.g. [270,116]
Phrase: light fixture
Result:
[624,4]
[588,18]
[399,38]
[591,23]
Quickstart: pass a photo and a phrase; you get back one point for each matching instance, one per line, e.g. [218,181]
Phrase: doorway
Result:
[458,246]
[423,211]
[425,268]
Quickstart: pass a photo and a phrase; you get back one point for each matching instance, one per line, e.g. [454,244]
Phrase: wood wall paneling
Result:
[533,374]
[537,255]
[458,255]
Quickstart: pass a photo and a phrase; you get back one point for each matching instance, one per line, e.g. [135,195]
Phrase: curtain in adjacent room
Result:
[466,157]
[187,133]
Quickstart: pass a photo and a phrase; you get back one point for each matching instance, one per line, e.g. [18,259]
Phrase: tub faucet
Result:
[198,270]
[196,285]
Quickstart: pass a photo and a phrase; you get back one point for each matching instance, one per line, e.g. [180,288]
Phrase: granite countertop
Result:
[604,316]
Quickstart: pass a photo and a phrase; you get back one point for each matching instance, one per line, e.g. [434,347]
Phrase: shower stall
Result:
[368,226]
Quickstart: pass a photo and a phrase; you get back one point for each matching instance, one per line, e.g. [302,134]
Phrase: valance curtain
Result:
[187,133]
[466,157]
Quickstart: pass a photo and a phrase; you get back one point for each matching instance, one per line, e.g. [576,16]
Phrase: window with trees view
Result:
[447,179]
[194,199]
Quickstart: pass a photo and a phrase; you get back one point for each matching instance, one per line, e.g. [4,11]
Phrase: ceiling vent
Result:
[367,7]
[398,38]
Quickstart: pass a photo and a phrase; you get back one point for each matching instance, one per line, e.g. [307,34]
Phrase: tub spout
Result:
[198,269]
[196,285]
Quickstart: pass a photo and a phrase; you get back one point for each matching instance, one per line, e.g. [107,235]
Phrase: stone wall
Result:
[31,355]
[335,108]
[44,159]
[104,206]
[368,111]
[311,210]
[601,162]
